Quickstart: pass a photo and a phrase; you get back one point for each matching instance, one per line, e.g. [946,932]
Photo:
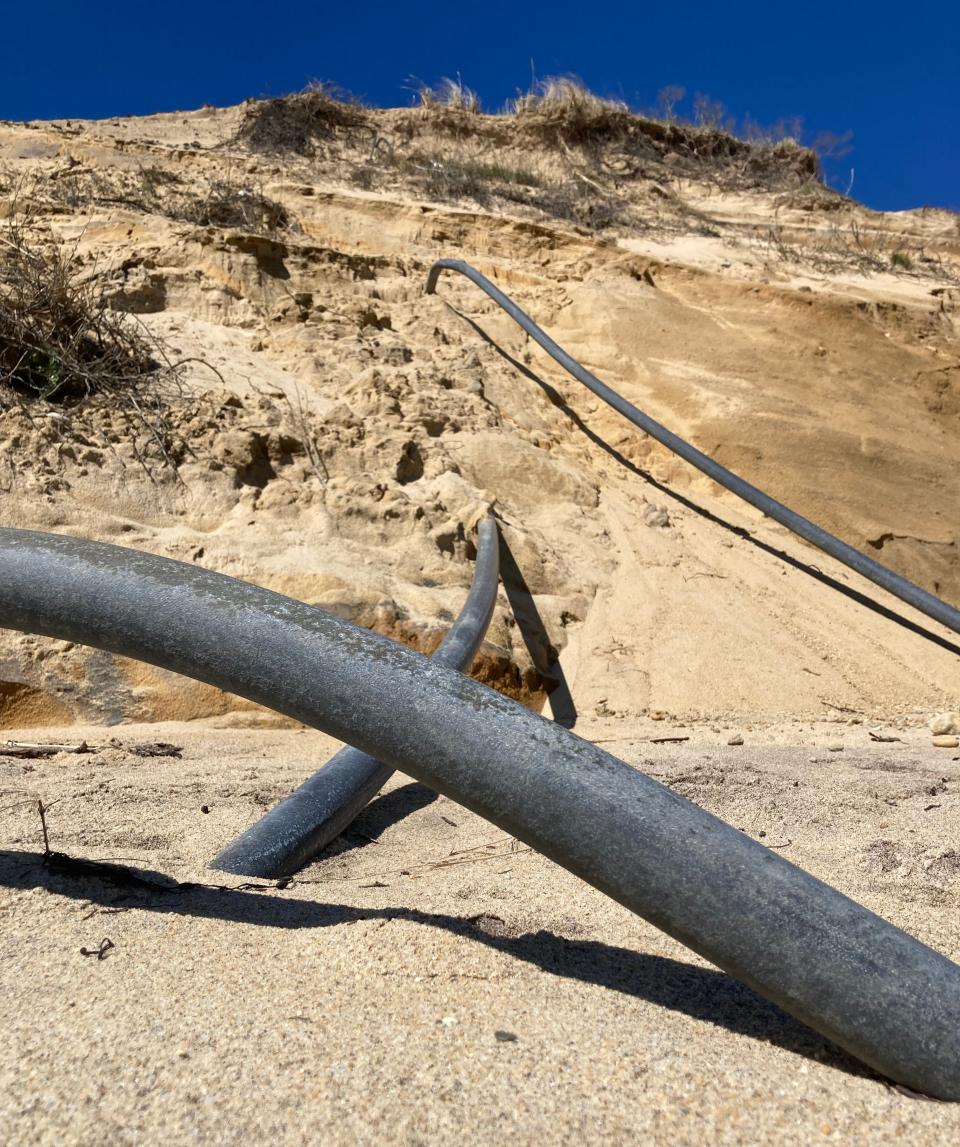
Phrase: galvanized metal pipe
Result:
[899,586]
[291,834]
[857,979]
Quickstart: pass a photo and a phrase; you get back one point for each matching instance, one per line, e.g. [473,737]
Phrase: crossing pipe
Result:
[291,834]
[863,983]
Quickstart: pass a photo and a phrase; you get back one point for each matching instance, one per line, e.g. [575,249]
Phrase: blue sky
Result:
[887,72]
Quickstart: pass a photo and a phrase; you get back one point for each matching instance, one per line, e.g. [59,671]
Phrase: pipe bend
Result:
[900,587]
[863,983]
[291,834]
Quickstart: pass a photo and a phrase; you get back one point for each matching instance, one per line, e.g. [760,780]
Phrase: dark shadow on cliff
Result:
[543,653]
[812,571]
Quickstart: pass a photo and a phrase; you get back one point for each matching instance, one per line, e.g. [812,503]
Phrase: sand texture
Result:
[337,434]
[362,1003]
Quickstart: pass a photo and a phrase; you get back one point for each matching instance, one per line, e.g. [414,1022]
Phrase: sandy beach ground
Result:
[430,979]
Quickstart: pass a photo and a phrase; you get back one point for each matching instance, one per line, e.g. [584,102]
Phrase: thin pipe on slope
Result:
[857,979]
[291,834]
[899,586]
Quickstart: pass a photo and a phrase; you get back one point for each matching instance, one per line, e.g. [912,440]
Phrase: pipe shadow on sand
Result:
[380,814]
[702,993]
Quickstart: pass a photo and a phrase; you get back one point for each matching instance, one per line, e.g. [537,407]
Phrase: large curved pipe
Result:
[291,834]
[899,586]
[860,981]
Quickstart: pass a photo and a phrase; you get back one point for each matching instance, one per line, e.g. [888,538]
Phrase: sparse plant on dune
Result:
[449,94]
[667,100]
[850,246]
[561,107]
[449,151]
[230,205]
[298,123]
[565,93]
[468,179]
[218,203]
[711,113]
[61,344]
[571,200]
[575,202]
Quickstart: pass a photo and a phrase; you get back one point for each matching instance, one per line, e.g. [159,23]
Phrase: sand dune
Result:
[338,437]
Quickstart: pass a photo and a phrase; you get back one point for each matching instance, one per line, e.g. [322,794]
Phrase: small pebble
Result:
[945,724]
[735,739]
[504,1036]
[835,747]
[655,516]
[946,742]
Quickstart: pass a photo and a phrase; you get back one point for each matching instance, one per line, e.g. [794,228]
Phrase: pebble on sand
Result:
[946,742]
[944,724]
[735,739]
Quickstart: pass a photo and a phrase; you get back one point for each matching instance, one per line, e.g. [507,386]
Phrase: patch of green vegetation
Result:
[497,173]
[466,179]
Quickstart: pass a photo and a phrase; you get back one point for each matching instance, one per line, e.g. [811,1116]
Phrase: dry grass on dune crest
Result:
[557,115]
[557,152]
[296,123]
[561,153]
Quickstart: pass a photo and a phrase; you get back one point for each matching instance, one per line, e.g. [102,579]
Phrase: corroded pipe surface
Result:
[863,983]
[291,834]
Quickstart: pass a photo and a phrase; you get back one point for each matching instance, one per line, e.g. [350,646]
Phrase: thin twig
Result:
[43,825]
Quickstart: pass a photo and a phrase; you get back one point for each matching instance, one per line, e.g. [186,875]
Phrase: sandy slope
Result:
[371,424]
[345,432]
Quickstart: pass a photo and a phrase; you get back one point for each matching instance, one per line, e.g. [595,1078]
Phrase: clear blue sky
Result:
[888,72]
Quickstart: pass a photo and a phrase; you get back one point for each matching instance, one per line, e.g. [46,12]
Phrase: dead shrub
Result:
[575,202]
[220,203]
[231,206]
[442,181]
[783,164]
[297,123]
[61,344]
[445,179]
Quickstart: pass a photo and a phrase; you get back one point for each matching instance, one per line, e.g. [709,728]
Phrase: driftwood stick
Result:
[28,749]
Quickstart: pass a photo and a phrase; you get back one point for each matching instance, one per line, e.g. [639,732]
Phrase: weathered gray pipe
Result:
[899,586]
[290,835]
[852,976]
